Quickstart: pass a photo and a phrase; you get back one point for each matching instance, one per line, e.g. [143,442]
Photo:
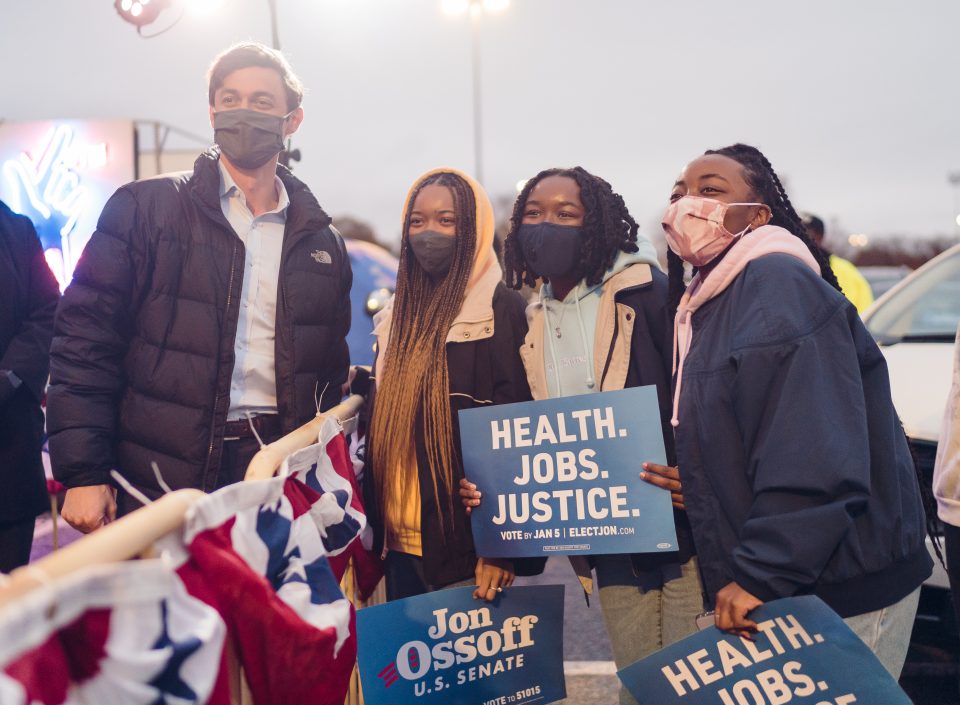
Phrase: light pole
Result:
[953,178]
[274,31]
[476,9]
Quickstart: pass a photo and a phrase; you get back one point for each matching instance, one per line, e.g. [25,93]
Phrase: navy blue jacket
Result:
[796,472]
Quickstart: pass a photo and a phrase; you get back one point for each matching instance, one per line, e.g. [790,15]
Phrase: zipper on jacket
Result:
[217,396]
[613,345]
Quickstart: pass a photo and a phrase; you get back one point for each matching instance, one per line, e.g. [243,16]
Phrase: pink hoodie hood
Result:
[766,240]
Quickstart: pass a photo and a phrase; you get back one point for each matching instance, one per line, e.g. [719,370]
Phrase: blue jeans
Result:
[887,631]
[641,621]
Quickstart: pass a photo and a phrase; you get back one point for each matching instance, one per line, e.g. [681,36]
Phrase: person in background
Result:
[449,340]
[946,480]
[208,312]
[29,294]
[797,475]
[853,284]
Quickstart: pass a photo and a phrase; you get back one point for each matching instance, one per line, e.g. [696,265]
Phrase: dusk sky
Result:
[855,103]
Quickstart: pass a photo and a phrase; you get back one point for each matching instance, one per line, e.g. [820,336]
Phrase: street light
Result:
[476,9]
[141,13]
[953,178]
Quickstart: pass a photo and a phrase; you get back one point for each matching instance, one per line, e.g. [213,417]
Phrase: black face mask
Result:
[434,251]
[549,249]
[249,138]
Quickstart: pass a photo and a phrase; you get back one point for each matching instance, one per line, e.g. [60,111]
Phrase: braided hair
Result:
[415,388]
[767,189]
[608,229]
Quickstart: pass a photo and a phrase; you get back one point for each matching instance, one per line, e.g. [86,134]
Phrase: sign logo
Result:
[322,257]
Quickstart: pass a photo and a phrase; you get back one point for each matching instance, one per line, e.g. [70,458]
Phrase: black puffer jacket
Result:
[143,350]
[28,300]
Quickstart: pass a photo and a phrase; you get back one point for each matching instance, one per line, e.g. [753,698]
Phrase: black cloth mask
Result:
[549,249]
[249,138]
[434,251]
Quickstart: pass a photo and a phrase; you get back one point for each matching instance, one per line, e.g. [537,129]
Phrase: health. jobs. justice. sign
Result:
[804,654]
[563,476]
[446,647]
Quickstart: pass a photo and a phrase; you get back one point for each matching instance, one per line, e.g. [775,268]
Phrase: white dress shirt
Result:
[254,385]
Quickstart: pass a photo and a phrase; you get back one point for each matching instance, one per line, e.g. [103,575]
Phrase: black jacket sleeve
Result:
[91,337]
[510,383]
[28,353]
[803,419]
[510,378]
[658,369]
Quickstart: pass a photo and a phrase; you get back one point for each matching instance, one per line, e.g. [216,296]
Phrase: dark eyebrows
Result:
[714,176]
[562,204]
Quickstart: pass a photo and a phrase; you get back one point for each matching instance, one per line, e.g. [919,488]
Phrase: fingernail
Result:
[643,475]
[646,465]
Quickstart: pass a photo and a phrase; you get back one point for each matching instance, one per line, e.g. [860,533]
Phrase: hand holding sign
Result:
[493,575]
[733,605]
[667,478]
[469,495]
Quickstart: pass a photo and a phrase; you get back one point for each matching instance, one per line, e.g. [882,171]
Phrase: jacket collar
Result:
[633,277]
[636,276]
[304,212]
[473,322]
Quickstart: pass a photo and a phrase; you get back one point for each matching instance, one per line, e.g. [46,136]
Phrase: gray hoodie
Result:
[570,326]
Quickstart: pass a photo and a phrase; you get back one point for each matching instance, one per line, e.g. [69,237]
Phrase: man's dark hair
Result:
[608,228]
[247,54]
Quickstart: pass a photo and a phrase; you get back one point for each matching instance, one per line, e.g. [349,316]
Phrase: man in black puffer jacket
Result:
[205,305]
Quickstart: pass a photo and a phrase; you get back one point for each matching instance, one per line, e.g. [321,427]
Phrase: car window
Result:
[927,307]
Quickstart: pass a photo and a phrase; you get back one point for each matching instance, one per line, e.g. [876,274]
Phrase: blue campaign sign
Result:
[803,655]
[446,647]
[563,476]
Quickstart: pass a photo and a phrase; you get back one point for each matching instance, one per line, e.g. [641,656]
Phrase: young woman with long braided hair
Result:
[797,476]
[449,340]
[602,323]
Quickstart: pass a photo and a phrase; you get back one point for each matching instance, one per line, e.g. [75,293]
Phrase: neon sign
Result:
[50,190]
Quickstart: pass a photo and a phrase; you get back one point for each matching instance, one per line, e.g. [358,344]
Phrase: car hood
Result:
[920,376]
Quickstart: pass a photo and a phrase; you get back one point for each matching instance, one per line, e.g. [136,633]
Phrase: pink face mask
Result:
[695,231]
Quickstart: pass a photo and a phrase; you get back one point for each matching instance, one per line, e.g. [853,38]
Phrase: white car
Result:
[915,324]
